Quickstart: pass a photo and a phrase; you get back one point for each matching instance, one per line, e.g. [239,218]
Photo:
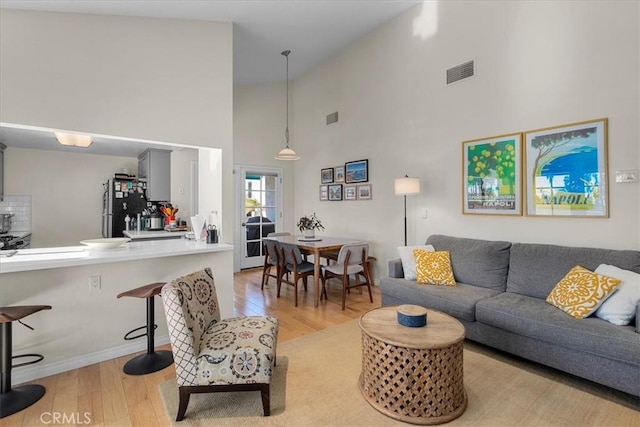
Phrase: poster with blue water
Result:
[566,170]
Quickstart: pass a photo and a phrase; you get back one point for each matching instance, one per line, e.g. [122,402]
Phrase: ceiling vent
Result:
[332,118]
[460,72]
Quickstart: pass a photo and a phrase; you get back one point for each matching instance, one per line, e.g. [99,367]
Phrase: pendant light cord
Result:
[286,131]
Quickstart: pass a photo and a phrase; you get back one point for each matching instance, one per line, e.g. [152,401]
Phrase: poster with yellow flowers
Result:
[491,175]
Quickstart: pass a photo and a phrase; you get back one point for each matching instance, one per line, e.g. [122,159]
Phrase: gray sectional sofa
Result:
[500,299]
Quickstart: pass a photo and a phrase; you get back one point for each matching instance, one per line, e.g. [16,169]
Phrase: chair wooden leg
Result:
[345,286]
[266,401]
[295,290]
[185,394]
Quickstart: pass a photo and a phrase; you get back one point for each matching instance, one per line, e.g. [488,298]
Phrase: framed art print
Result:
[350,192]
[364,192]
[326,176]
[357,171]
[335,192]
[491,182]
[339,173]
[566,170]
[324,193]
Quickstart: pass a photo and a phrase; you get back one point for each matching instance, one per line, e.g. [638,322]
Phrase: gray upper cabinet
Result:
[154,167]
[2,147]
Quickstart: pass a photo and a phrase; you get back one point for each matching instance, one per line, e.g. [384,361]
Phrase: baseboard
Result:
[43,369]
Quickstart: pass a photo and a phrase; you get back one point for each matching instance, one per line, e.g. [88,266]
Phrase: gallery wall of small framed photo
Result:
[335,192]
[350,192]
[324,193]
[364,191]
[326,176]
[338,173]
[357,171]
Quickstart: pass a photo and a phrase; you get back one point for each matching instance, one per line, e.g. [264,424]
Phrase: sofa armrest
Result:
[395,269]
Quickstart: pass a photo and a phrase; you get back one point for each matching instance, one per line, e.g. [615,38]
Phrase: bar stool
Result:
[16,399]
[152,360]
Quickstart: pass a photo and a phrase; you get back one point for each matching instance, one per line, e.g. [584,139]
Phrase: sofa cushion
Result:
[433,268]
[534,318]
[409,260]
[620,308]
[581,291]
[459,301]
[481,263]
[534,269]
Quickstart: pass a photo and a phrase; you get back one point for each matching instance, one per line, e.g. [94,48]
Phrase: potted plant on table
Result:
[309,224]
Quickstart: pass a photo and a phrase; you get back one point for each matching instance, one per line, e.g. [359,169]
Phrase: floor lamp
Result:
[406,187]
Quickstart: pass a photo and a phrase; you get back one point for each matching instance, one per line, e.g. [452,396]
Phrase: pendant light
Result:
[287,153]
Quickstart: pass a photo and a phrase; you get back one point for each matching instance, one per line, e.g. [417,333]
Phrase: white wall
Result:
[152,79]
[181,185]
[539,64]
[66,192]
[259,121]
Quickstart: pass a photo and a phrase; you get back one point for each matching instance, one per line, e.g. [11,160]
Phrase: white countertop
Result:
[73,256]
[160,234]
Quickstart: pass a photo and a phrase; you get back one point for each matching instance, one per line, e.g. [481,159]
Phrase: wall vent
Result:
[460,72]
[332,118]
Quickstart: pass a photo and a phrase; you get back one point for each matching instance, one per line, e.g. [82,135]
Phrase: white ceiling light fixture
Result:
[287,153]
[74,139]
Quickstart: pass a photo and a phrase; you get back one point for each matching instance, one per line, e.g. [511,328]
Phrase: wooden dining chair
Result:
[352,261]
[271,260]
[291,262]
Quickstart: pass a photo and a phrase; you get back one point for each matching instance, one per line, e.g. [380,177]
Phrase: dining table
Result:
[319,247]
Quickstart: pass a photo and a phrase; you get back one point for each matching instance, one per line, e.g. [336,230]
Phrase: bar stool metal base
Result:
[148,363]
[20,398]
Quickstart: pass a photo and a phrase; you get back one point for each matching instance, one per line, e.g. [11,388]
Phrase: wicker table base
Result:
[414,375]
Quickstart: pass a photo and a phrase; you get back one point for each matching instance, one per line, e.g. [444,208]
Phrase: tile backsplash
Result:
[20,206]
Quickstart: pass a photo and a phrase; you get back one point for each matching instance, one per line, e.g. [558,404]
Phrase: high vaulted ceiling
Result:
[313,30]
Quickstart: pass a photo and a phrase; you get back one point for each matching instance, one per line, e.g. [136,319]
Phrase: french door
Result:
[259,211]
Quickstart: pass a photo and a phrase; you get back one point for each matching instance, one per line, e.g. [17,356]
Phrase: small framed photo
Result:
[339,173]
[324,193]
[326,176]
[335,192]
[350,192]
[364,192]
[357,171]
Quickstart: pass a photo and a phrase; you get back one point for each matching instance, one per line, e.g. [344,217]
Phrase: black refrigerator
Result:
[121,197]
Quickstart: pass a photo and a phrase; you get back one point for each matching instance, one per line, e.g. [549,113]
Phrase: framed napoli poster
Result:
[566,170]
[492,175]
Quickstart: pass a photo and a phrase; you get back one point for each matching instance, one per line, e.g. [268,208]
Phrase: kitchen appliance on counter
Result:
[121,197]
[16,240]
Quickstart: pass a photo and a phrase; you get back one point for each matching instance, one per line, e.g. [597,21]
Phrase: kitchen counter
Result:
[88,320]
[152,235]
[72,256]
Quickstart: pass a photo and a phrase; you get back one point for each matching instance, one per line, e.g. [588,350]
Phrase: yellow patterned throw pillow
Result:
[580,292]
[433,268]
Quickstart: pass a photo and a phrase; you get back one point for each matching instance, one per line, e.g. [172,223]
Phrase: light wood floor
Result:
[102,394]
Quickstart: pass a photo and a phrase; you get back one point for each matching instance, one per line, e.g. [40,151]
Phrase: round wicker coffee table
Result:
[414,375]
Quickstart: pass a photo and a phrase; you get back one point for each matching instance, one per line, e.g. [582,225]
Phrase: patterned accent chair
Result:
[213,354]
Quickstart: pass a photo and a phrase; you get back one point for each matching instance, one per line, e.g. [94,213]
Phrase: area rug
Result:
[315,384]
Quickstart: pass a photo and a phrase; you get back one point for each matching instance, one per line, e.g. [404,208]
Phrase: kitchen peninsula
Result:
[87,322]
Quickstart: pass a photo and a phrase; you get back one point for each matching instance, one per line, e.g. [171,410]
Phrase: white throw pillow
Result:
[409,260]
[620,308]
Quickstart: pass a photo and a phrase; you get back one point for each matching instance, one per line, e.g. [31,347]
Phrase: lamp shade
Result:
[73,139]
[287,154]
[407,186]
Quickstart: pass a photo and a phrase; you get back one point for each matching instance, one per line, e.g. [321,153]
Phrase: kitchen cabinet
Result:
[2,147]
[154,167]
